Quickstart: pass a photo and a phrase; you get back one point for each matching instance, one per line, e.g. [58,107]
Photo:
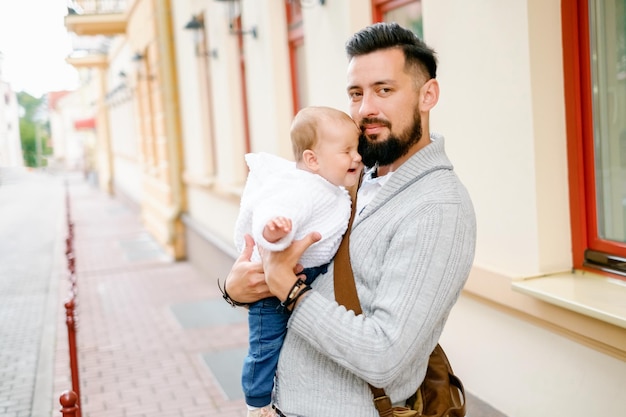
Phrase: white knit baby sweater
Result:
[275,187]
[411,249]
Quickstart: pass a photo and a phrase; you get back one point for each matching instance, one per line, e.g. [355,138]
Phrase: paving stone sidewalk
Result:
[155,338]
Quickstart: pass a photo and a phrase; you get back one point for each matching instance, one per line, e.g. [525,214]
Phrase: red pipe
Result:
[71,336]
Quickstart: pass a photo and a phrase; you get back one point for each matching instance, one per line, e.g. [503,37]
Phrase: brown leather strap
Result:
[382,403]
[345,288]
[346,295]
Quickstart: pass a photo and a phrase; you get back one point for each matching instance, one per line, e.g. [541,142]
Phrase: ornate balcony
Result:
[89,51]
[97,17]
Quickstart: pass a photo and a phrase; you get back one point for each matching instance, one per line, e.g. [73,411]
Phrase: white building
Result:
[10,143]
[72,130]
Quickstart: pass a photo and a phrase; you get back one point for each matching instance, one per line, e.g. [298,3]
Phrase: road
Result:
[31,222]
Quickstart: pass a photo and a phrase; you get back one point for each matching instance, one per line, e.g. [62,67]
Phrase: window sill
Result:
[585,293]
[212,184]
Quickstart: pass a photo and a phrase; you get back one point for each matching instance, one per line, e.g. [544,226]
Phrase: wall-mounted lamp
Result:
[251,31]
[232,14]
[195,23]
[137,59]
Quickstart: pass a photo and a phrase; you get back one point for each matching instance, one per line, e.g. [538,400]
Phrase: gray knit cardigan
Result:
[411,249]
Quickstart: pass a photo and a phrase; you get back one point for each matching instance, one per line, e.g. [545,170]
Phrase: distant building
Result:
[10,144]
[71,131]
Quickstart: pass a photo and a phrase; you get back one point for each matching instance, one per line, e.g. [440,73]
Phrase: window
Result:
[407,13]
[236,25]
[594,55]
[206,104]
[297,59]
[146,104]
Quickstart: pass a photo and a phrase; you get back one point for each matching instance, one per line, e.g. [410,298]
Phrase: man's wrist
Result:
[298,289]
[228,298]
[298,297]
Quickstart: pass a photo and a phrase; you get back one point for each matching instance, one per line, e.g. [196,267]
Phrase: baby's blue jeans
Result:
[267,328]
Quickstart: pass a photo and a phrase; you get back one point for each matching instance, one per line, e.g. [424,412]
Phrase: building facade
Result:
[10,143]
[533,97]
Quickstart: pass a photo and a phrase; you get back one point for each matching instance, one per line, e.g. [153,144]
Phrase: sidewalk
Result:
[154,338]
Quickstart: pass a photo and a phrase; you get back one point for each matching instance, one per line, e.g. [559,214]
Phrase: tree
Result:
[34,129]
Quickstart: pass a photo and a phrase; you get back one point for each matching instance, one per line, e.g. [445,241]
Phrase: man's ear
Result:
[310,160]
[429,95]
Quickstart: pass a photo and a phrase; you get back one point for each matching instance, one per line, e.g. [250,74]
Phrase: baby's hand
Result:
[276,229]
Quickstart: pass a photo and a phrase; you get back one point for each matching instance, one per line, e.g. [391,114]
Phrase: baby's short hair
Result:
[306,124]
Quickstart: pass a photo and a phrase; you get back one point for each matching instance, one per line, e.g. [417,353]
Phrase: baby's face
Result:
[337,153]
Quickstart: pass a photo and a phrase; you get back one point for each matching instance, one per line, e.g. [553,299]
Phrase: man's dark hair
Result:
[385,35]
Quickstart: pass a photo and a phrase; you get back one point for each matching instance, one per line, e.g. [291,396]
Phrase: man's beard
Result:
[390,150]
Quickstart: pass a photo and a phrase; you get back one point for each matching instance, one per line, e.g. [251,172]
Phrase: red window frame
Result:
[580,139]
[295,37]
[237,28]
[380,7]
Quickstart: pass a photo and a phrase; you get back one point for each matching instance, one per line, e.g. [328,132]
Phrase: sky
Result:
[34,44]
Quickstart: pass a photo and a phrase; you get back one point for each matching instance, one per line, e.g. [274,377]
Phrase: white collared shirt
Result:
[369,188]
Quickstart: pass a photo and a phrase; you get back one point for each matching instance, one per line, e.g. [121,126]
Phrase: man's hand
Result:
[246,282]
[280,266]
